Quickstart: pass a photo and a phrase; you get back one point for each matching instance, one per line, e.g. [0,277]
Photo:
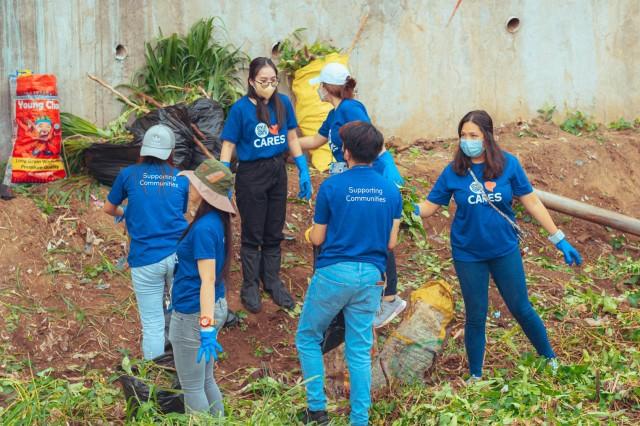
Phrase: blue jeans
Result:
[150,283]
[201,392]
[355,288]
[508,274]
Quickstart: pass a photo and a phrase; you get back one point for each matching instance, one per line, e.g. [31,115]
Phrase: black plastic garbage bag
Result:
[334,336]
[105,160]
[208,116]
[136,391]
[177,118]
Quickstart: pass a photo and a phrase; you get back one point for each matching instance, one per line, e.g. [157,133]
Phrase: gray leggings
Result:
[201,392]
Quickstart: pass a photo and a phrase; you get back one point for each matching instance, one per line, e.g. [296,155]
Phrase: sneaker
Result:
[281,296]
[388,311]
[319,417]
[251,298]
[554,365]
[472,379]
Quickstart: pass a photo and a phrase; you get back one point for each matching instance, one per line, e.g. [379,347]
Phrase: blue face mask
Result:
[472,147]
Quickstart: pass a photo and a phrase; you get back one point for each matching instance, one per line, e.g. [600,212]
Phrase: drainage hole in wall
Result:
[513,24]
[121,52]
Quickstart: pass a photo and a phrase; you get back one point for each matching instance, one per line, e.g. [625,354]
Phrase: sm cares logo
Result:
[268,136]
[479,196]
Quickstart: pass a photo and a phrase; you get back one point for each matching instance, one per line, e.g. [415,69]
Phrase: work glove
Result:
[305,180]
[571,255]
[209,346]
[118,219]
[390,172]
[416,209]
[227,164]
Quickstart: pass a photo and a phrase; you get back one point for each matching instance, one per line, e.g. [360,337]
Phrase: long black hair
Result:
[203,209]
[262,109]
[494,158]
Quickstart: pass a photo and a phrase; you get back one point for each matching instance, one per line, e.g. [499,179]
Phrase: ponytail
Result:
[342,91]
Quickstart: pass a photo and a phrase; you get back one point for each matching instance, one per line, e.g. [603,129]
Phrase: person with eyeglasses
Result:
[337,87]
[261,128]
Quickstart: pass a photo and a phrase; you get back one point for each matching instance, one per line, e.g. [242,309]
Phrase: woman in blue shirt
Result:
[261,128]
[337,87]
[154,215]
[483,180]
[203,266]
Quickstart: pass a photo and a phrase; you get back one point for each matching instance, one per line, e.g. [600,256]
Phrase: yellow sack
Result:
[310,110]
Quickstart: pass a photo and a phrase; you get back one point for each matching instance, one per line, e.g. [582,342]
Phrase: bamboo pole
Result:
[590,213]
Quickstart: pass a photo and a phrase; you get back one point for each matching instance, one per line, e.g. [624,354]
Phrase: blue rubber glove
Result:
[390,171]
[209,346]
[571,255]
[118,219]
[305,180]
[227,164]
[416,209]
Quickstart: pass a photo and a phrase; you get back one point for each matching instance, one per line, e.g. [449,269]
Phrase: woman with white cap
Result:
[197,298]
[337,87]
[154,214]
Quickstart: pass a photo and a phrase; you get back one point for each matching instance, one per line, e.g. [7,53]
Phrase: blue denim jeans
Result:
[508,274]
[355,288]
[150,283]
[201,392]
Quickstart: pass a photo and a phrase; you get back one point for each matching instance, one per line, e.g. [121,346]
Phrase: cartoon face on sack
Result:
[43,128]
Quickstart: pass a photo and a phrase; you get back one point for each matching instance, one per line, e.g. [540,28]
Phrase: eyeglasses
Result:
[265,84]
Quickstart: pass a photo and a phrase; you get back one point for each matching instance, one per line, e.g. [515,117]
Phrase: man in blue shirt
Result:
[356,222]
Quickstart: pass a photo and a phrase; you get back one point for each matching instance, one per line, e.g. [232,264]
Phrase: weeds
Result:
[546,112]
[620,124]
[577,122]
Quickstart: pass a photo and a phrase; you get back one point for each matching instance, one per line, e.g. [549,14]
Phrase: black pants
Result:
[391,287]
[261,196]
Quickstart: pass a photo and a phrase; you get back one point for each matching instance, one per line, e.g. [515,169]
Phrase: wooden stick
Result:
[591,213]
[356,38]
[203,148]
[115,92]
[150,100]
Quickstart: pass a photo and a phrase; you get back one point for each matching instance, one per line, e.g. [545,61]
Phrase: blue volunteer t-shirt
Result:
[157,200]
[478,232]
[347,111]
[253,138]
[358,206]
[205,240]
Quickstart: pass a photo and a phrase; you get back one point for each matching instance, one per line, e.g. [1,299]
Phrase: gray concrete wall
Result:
[416,75]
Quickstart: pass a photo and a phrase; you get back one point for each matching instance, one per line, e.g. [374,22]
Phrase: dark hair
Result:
[342,91]
[203,209]
[262,109]
[362,140]
[494,158]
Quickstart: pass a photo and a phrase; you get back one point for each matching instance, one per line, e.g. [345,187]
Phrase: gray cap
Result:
[158,142]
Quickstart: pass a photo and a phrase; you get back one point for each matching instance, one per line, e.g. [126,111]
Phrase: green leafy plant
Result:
[620,124]
[577,122]
[546,112]
[410,221]
[295,53]
[181,68]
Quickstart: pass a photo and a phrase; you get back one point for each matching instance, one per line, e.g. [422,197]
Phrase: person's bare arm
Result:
[312,142]
[207,272]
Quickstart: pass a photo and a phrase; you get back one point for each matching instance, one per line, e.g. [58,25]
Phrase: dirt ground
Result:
[63,303]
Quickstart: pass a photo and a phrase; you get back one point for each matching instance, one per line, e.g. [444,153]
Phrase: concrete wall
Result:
[416,75]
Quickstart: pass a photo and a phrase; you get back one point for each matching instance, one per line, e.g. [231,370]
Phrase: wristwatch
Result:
[206,322]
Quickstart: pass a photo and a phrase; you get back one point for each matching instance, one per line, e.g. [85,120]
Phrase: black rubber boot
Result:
[270,274]
[319,417]
[250,291]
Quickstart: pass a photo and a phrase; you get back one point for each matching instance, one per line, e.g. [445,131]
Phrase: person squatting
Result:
[188,264]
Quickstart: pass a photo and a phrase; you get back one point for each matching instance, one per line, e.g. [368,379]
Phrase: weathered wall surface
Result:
[416,75]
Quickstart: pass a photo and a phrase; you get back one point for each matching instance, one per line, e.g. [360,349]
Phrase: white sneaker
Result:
[554,364]
[388,311]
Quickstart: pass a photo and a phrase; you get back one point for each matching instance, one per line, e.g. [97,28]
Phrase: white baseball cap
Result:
[158,142]
[332,73]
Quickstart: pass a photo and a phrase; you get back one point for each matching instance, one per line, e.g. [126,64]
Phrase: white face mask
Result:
[324,95]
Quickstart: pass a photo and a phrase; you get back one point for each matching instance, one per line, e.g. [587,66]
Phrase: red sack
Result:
[36,150]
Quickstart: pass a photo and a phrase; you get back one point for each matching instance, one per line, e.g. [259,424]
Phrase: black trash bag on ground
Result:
[136,391]
[105,160]
[175,117]
[208,116]
[334,336]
